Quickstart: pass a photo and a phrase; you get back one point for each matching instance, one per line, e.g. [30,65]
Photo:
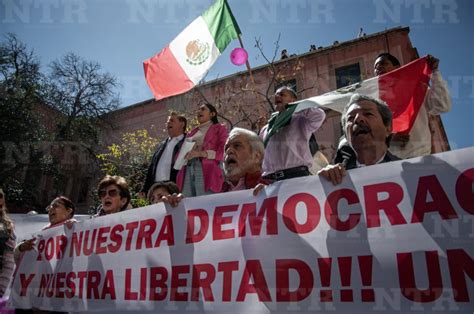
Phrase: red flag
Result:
[404,90]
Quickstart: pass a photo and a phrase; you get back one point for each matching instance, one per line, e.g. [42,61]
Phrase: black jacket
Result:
[150,176]
[347,156]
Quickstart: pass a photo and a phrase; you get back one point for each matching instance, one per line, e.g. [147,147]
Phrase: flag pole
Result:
[247,64]
[261,111]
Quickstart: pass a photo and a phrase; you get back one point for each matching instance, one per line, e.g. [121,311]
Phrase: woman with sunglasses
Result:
[202,175]
[114,195]
[7,245]
[60,211]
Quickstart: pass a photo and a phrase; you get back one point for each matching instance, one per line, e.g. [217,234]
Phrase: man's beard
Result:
[234,171]
[239,170]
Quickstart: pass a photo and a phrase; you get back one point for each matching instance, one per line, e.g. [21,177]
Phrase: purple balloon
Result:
[238,56]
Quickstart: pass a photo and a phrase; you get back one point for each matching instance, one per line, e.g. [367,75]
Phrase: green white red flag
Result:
[403,89]
[185,61]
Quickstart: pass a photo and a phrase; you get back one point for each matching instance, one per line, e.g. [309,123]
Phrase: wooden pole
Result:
[261,111]
[247,63]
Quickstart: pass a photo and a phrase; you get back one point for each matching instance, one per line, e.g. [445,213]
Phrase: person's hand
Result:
[70,222]
[172,199]
[401,138]
[432,62]
[27,245]
[262,121]
[333,173]
[259,187]
[195,154]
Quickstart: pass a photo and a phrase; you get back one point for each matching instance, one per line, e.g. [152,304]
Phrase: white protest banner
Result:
[395,237]
[27,225]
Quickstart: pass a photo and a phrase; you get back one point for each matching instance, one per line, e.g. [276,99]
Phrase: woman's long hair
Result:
[4,218]
[212,109]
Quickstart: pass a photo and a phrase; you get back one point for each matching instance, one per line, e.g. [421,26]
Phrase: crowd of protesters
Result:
[217,161]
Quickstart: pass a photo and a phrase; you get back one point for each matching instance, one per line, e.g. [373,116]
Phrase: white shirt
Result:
[199,136]
[163,168]
[359,165]
[289,147]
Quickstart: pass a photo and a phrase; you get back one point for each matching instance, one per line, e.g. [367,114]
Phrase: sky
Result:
[121,34]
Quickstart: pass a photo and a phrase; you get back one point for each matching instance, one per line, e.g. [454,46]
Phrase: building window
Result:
[348,75]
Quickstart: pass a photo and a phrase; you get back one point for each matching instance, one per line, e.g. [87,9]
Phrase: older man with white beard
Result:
[243,156]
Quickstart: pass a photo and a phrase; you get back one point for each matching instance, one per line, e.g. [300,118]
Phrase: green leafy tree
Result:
[130,159]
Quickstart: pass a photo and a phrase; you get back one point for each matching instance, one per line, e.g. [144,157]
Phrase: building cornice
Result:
[322,50]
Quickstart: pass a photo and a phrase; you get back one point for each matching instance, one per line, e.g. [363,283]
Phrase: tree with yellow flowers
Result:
[130,159]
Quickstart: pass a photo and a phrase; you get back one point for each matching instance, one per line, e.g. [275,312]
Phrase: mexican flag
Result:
[403,89]
[185,61]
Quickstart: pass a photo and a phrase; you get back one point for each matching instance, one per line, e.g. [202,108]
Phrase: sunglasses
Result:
[111,193]
[54,205]
[1,195]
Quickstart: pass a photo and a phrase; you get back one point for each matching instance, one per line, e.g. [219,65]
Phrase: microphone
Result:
[347,153]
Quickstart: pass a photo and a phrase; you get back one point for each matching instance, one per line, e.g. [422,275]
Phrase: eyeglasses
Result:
[111,193]
[54,205]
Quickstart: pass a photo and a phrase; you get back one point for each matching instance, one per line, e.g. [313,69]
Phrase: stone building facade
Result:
[313,73]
